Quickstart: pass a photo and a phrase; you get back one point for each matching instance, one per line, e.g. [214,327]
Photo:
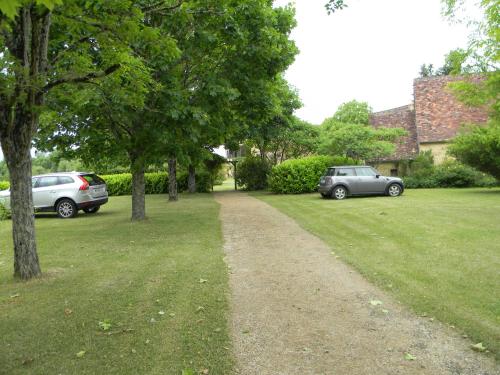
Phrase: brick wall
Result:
[439,115]
[402,117]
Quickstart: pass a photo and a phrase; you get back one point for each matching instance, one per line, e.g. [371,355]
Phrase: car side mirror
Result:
[377,176]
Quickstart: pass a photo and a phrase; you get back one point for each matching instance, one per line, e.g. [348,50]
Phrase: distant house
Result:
[431,121]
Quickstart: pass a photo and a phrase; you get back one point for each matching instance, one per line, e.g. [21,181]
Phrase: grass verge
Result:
[437,251]
[160,284]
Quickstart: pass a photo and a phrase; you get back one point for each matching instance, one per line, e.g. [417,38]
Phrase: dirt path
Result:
[295,309]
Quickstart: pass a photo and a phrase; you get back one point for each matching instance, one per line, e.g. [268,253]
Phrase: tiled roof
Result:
[438,114]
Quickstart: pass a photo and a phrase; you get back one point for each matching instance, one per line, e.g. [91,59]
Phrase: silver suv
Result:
[339,182]
[65,193]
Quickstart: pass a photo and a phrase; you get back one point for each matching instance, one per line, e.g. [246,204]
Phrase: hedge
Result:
[121,184]
[447,175]
[302,175]
[156,183]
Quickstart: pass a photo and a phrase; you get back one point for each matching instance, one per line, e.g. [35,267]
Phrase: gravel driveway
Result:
[296,309]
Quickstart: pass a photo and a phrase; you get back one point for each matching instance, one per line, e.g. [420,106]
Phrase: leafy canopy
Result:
[348,133]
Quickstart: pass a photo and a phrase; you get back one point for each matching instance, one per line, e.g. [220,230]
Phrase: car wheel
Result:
[91,210]
[394,190]
[66,209]
[339,193]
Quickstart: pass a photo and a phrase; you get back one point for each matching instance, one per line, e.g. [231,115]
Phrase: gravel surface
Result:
[296,309]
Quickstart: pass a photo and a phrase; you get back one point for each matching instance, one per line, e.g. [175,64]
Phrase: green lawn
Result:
[227,185]
[437,251]
[162,285]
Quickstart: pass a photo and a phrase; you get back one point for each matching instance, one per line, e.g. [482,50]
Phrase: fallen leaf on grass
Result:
[188,372]
[15,295]
[105,325]
[171,315]
[217,330]
[204,371]
[410,357]
[479,347]
[200,308]
[161,312]
[375,302]
[385,311]
[68,312]
[80,354]
[203,281]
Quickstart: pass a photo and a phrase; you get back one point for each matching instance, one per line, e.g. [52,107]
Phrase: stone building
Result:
[434,118]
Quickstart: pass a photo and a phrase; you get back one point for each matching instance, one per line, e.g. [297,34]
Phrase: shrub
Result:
[4,185]
[297,176]
[121,184]
[4,212]
[448,174]
[252,172]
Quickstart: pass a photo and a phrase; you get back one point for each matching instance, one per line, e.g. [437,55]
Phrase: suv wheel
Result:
[66,209]
[394,190]
[339,193]
[91,210]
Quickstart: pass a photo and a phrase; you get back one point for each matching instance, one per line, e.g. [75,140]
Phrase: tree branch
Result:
[82,79]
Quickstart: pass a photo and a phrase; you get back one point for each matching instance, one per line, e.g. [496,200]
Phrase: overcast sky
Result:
[370,51]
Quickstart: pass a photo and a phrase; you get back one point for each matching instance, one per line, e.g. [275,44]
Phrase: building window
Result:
[394,172]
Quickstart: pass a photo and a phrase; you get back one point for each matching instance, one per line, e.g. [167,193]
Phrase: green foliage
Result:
[424,174]
[121,184]
[11,7]
[480,148]
[296,176]
[353,112]
[334,5]
[156,183]
[299,139]
[360,142]
[252,173]
[348,133]
[4,212]
[4,185]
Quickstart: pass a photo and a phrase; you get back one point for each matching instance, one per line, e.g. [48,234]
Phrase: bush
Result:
[121,184]
[4,185]
[252,172]
[4,212]
[447,175]
[297,176]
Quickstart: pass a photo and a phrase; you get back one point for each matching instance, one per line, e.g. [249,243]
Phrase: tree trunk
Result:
[191,179]
[26,264]
[138,191]
[172,180]
[19,111]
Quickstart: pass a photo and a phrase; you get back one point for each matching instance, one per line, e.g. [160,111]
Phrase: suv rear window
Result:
[93,179]
[330,172]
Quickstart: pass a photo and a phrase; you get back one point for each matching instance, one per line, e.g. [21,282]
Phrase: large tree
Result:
[348,133]
[44,48]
